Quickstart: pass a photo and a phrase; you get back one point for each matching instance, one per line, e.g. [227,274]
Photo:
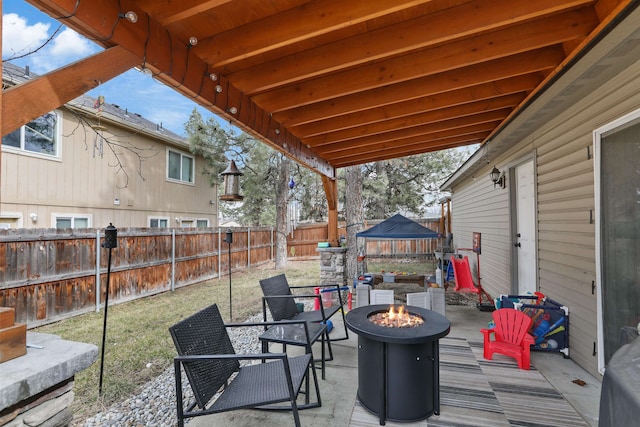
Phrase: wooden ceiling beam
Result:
[400,134]
[451,24]
[403,151]
[420,141]
[516,65]
[168,12]
[417,120]
[293,26]
[486,47]
[30,100]
[174,63]
[472,94]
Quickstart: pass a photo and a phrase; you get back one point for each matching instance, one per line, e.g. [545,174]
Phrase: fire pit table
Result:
[398,366]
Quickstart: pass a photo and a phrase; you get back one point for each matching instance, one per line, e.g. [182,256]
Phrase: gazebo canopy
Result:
[398,227]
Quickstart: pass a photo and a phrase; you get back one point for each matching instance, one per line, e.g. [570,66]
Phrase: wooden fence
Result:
[48,274]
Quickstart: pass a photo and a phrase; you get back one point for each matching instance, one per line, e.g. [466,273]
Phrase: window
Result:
[202,223]
[180,166]
[187,223]
[40,136]
[72,221]
[158,222]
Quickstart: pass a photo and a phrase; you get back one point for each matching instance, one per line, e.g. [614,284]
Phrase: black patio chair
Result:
[282,305]
[213,369]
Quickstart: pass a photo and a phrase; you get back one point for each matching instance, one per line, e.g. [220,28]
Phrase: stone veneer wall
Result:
[36,390]
[332,266]
[47,409]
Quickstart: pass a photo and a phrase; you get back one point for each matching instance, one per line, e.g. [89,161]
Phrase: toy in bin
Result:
[550,321]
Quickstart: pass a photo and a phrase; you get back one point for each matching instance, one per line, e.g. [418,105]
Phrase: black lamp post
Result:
[228,238]
[110,242]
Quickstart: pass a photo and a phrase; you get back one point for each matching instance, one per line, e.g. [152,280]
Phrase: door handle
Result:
[517,245]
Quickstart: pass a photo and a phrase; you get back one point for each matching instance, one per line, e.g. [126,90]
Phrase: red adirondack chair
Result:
[511,336]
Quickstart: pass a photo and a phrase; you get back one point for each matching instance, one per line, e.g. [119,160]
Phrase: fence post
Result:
[248,248]
[219,257]
[271,234]
[173,259]
[97,271]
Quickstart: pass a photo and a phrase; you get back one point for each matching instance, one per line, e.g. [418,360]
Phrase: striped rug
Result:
[487,393]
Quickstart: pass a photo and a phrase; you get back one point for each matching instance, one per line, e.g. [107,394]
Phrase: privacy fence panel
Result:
[49,274]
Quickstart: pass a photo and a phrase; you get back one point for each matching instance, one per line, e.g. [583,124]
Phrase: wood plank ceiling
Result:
[334,83]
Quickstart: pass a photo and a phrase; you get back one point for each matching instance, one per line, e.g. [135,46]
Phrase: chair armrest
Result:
[271,323]
[309,286]
[528,340]
[248,356]
[487,332]
[336,286]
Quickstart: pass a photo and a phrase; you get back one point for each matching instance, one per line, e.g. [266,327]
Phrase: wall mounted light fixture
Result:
[498,178]
[34,217]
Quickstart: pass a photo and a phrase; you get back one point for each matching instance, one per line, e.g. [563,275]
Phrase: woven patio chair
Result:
[220,383]
[282,304]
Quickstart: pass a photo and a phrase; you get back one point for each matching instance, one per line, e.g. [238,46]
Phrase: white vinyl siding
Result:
[563,157]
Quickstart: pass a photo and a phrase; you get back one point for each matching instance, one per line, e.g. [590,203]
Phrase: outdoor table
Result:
[294,334]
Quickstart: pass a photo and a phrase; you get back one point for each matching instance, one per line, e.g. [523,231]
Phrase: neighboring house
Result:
[89,163]
[567,223]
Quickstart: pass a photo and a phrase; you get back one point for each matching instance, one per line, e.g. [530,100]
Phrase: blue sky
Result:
[25,29]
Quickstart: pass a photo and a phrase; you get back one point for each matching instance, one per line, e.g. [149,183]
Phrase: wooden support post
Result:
[331,191]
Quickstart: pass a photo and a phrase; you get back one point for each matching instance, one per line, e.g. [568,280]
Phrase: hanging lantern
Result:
[231,177]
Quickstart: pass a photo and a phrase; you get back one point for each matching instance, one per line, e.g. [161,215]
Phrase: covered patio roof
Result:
[332,83]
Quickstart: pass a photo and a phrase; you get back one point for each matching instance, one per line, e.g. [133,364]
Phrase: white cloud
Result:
[19,38]
[69,44]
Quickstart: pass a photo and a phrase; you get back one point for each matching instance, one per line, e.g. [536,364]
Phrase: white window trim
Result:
[204,219]
[193,171]
[13,215]
[23,152]
[55,216]
[159,218]
[598,134]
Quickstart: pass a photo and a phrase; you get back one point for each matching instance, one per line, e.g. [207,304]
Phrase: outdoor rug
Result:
[487,393]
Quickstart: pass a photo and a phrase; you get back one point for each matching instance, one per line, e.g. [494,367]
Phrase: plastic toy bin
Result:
[550,326]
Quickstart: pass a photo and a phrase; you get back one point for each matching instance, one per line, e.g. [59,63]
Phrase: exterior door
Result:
[618,236]
[525,239]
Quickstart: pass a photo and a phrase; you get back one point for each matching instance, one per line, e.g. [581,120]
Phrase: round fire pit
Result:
[398,367]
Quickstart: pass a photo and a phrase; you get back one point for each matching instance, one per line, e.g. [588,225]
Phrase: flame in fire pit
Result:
[396,319]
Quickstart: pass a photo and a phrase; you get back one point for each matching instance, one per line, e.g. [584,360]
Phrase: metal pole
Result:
[230,304]
[110,242]
[104,324]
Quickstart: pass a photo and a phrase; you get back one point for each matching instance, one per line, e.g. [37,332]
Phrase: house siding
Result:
[82,181]
[563,157]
